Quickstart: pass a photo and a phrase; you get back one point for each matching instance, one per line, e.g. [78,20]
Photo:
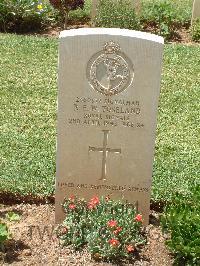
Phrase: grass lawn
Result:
[28,76]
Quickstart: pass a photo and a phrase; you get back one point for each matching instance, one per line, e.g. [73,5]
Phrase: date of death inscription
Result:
[105,112]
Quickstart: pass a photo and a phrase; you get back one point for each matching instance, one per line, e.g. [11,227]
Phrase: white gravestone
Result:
[109,82]
[196,10]
[94,11]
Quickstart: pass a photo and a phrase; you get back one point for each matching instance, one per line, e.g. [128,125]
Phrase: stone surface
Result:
[109,81]
[94,11]
[137,5]
[196,10]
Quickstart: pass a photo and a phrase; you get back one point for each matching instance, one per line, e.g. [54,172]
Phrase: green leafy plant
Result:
[195,30]
[161,17]
[183,9]
[81,15]
[13,217]
[4,233]
[110,229]
[182,220]
[24,15]
[116,14]
[65,6]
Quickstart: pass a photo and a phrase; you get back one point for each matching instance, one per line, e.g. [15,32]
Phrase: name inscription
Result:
[106,112]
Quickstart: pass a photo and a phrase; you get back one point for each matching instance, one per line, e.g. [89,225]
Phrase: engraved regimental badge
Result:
[110,71]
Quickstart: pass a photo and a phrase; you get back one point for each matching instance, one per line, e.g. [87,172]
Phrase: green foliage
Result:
[116,14]
[65,6]
[24,15]
[182,221]
[113,11]
[12,216]
[182,9]
[81,15]
[110,229]
[195,30]
[4,233]
[162,15]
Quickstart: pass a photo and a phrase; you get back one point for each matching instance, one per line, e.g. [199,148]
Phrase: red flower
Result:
[95,200]
[118,230]
[112,223]
[72,197]
[113,242]
[72,206]
[130,248]
[91,206]
[138,218]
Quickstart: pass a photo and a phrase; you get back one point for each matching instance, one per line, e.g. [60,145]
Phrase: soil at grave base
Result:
[182,35]
[32,245]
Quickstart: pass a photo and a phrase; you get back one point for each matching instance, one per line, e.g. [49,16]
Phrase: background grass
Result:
[177,155]
[28,76]
[28,113]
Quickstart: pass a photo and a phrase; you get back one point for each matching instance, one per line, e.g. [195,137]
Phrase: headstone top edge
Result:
[111,32]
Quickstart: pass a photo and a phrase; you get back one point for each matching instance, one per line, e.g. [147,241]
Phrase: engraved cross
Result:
[105,150]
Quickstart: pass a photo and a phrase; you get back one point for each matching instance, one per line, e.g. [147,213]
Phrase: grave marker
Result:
[109,83]
[94,11]
[137,5]
[196,10]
